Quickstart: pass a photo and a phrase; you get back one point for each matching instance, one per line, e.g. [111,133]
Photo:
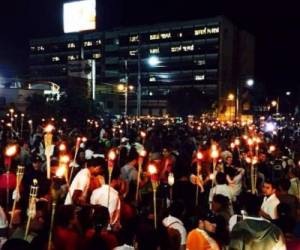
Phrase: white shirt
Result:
[80,182]
[269,206]
[220,189]
[295,187]
[173,222]
[100,197]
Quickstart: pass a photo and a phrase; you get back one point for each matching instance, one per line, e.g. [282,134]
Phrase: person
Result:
[173,221]
[270,202]
[255,232]
[3,227]
[294,189]
[200,238]
[220,206]
[287,198]
[220,188]
[100,197]
[80,185]
[128,171]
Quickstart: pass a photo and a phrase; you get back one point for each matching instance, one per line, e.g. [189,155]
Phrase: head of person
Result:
[100,217]
[252,204]
[95,165]
[284,185]
[221,178]
[269,188]
[219,203]
[229,160]
[36,163]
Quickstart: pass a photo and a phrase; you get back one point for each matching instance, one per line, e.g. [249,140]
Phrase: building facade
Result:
[212,55]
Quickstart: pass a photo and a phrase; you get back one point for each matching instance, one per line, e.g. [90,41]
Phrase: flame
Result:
[84,139]
[272,148]
[250,142]
[232,145]
[143,134]
[62,147]
[64,159]
[112,155]
[143,153]
[214,154]
[49,128]
[61,171]
[152,169]
[11,150]
[199,155]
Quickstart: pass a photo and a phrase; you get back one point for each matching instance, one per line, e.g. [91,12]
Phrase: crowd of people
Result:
[150,183]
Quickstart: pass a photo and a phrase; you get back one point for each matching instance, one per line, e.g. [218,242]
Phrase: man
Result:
[295,183]
[270,203]
[100,197]
[79,188]
[254,232]
[173,221]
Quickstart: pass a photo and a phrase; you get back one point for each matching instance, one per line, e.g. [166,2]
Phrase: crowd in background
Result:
[217,186]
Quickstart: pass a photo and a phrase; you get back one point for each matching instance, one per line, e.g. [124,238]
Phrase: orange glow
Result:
[62,147]
[237,142]
[214,154]
[11,150]
[143,153]
[232,145]
[272,148]
[64,159]
[61,171]
[250,142]
[152,169]
[112,155]
[199,155]
[143,134]
[49,128]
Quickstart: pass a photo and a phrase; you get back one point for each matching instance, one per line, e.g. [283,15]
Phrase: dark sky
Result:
[275,26]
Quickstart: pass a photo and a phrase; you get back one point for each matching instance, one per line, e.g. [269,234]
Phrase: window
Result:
[71,45]
[97,55]
[154,37]
[40,48]
[88,44]
[200,62]
[188,48]
[152,79]
[32,48]
[200,31]
[134,39]
[55,59]
[176,49]
[72,57]
[199,77]
[165,35]
[98,42]
[154,51]
[132,52]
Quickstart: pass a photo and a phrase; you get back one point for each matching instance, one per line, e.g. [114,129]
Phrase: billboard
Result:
[79,16]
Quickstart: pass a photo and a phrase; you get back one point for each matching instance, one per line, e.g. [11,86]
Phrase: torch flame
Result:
[143,134]
[152,169]
[143,153]
[64,159]
[272,148]
[49,128]
[62,147]
[199,155]
[11,150]
[61,171]
[214,154]
[112,155]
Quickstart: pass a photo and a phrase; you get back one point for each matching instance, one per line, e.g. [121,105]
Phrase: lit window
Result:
[188,48]
[97,55]
[134,39]
[71,45]
[213,30]
[154,37]
[132,52]
[98,42]
[72,58]
[165,35]
[40,48]
[176,48]
[199,77]
[152,79]
[88,44]
[200,32]
[154,51]
[200,62]
[32,48]
[55,59]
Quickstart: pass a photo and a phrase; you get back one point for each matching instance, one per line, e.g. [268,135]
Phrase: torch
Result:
[142,155]
[143,135]
[214,155]
[48,143]
[152,170]
[78,140]
[10,152]
[111,162]
[171,181]
[22,125]
[253,173]
[199,158]
[20,174]
[30,126]
[31,212]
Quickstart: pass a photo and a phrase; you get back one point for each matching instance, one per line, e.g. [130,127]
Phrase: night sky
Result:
[275,26]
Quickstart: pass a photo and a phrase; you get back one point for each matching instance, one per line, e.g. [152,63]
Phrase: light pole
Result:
[249,84]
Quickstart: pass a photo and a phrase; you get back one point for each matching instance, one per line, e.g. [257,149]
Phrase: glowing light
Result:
[64,120]
[62,147]
[84,139]
[232,145]
[153,61]
[214,154]
[11,150]
[272,148]
[274,103]
[61,171]
[64,159]
[250,142]
[112,155]
[171,179]
[199,155]
[231,97]
[250,82]
[121,87]
[270,126]
[30,122]
[143,153]
[143,134]
[11,111]
[237,142]
[152,169]
[49,128]
[211,176]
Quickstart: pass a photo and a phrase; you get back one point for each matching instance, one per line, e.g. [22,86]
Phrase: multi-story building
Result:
[211,55]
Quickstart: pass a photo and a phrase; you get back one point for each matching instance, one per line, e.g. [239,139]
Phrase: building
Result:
[212,55]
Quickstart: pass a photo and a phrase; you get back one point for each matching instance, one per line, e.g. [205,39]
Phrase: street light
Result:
[250,82]
[231,97]
[275,103]
[288,93]
[153,61]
